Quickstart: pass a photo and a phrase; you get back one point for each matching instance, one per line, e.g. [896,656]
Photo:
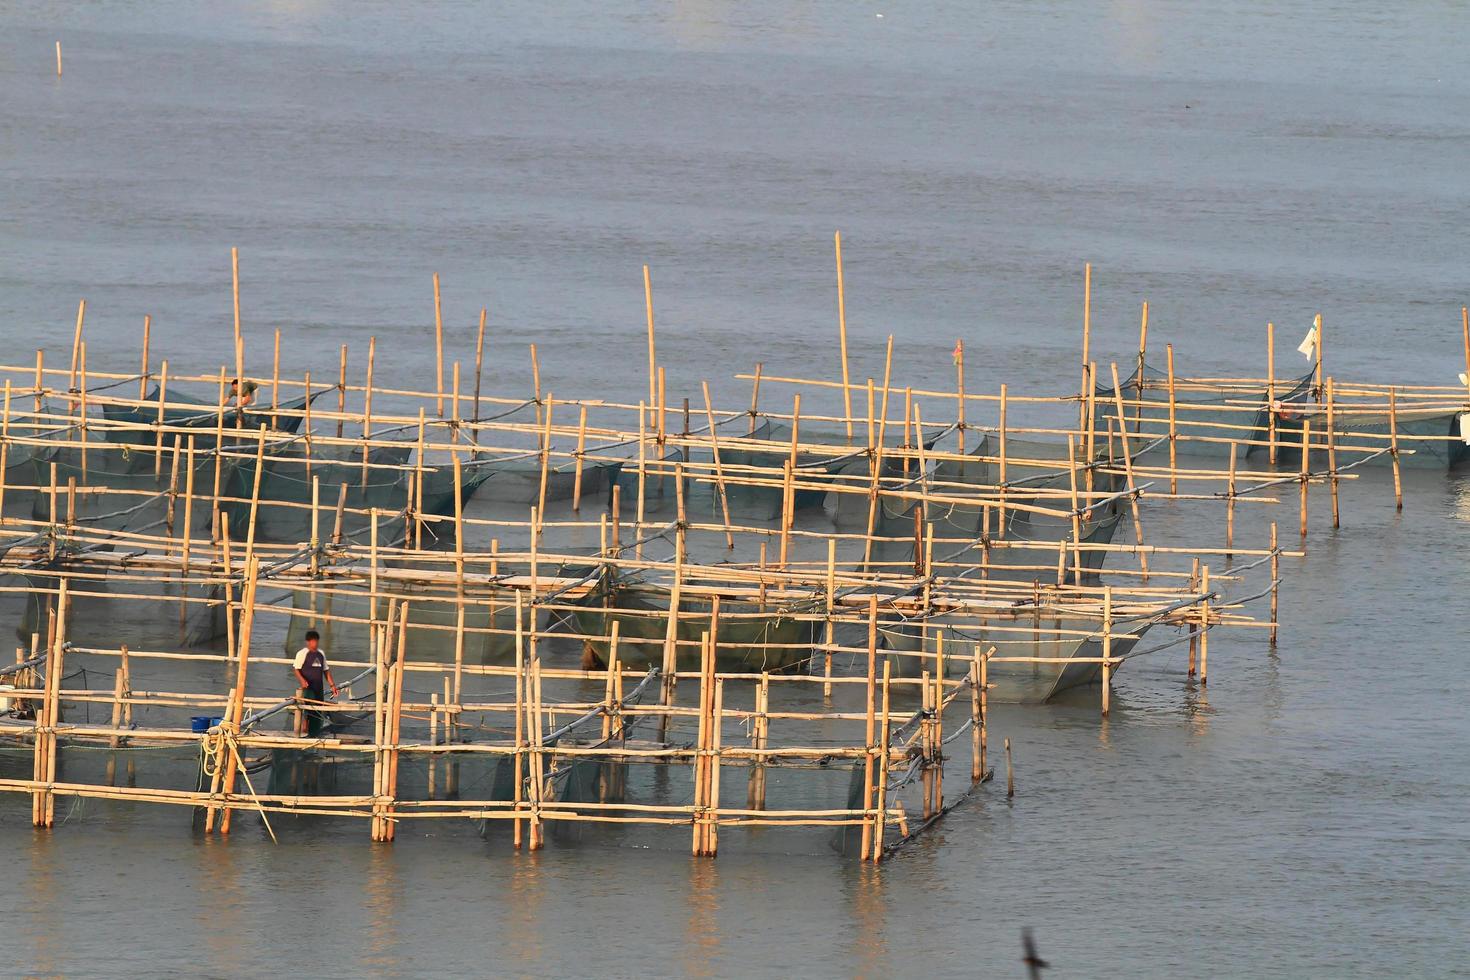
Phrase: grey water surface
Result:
[1232,163]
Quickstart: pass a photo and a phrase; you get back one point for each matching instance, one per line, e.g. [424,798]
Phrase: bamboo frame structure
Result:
[952,554]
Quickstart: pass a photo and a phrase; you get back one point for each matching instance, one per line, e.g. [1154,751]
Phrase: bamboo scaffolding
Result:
[437,709]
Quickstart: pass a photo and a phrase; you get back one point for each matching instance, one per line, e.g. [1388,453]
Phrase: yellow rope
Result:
[210,744]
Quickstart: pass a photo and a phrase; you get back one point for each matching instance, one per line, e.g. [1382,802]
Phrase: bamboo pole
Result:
[76,346]
[1332,452]
[1107,653]
[1321,350]
[536,382]
[143,373]
[1230,503]
[438,349]
[869,723]
[581,449]
[1393,450]
[652,357]
[1306,470]
[884,755]
[479,359]
[1204,635]
[367,408]
[842,335]
[1128,462]
[1271,411]
[239,340]
[1275,584]
[959,415]
[341,389]
[755,396]
[1173,423]
[714,442]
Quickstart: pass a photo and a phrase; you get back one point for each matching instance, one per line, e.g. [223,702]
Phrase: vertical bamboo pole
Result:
[977,720]
[1090,406]
[652,356]
[1173,423]
[842,335]
[1193,634]
[880,819]
[1107,652]
[342,393]
[712,837]
[235,712]
[663,412]
[1204,636]
[390,823]
[1321,350]
[1000,513]
[1271,390]
[1086,315]
[143,373]
[642,485]
[545,455]
[479,359]
[671,631]
[1128,466]
[755,396]
[1010,773]
[1465,331]
[869,722]
[438,349]
[1076,510]
[830,639]
[536,382]
[58,59]
[959,414]
[1332,453]
[517,783]
[1230,504]
[581,448]
[1306,470]
[1275,582]
[538,758]
[235,303]
[454,417]
[701,742]
[82,410]
[276,377]
[714,443]
[76,346]
[1393,447]
[1139,371]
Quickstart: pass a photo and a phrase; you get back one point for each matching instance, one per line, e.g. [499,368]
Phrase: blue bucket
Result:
[199,724]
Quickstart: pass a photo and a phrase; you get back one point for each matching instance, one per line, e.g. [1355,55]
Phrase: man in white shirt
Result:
[312,670]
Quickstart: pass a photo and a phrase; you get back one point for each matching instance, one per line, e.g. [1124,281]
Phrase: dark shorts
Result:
[316,720]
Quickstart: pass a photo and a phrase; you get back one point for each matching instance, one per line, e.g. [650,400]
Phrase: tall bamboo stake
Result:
[479,359]
[652,355]
[438,349]
[143,372]
[1271,411]
[235,302]
[842,334]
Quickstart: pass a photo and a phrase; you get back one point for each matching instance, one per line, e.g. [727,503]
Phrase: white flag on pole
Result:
[1464,380]
[1308,346]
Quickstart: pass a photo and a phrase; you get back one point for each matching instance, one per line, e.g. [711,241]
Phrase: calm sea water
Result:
[1232,164]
